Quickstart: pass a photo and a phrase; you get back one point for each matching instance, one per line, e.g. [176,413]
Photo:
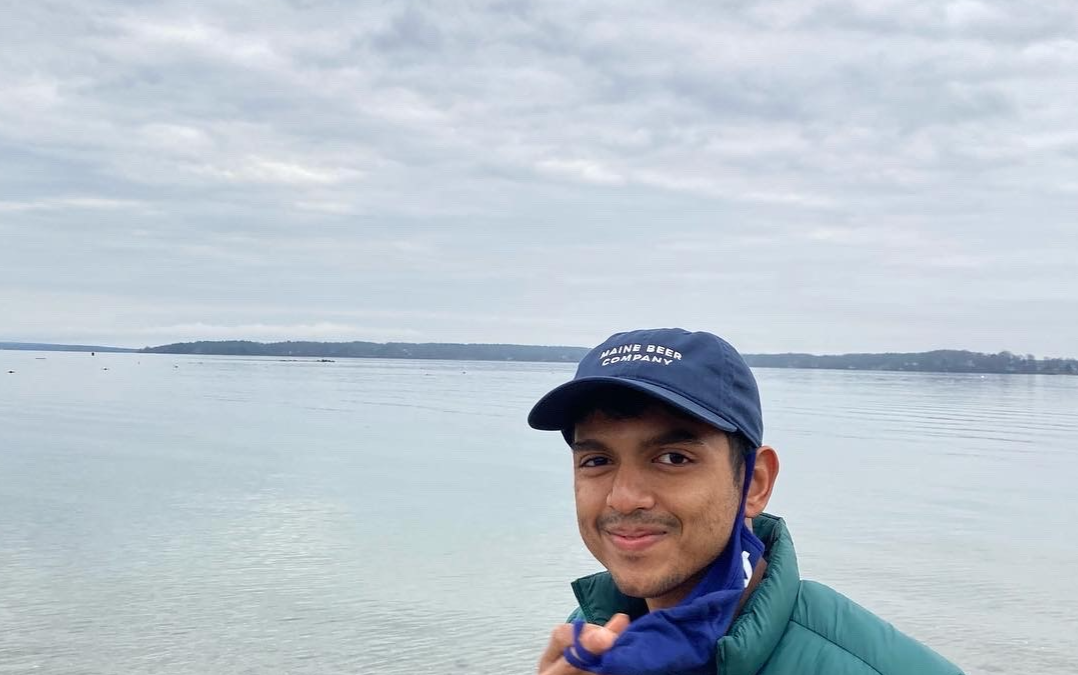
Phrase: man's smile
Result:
[634,539]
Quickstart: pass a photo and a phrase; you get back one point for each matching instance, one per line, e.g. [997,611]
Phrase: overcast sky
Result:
[859,175]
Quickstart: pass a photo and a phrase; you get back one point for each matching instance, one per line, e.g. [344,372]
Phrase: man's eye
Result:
[595,461]
[675,458]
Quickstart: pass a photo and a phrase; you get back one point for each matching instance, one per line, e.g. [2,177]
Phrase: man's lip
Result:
[634,531]
[629,539]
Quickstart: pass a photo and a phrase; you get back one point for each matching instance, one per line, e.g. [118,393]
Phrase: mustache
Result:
[637,518]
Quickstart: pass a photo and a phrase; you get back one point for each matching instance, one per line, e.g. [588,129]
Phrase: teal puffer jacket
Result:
[788,626]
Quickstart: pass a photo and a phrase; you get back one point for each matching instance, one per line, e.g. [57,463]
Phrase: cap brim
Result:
[556,410]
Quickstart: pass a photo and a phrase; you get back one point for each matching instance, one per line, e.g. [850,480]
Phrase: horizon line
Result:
[81,346]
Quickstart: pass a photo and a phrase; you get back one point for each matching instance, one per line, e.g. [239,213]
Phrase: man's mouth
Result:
[634,539]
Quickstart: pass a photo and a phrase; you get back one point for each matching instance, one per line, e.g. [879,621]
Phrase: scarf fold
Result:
[681,639]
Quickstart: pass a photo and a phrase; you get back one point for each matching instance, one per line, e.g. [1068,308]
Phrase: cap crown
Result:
[700,367]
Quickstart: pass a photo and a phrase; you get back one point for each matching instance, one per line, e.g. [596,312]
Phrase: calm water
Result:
[176,514]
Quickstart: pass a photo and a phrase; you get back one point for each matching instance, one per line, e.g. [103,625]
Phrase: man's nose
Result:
[630,490]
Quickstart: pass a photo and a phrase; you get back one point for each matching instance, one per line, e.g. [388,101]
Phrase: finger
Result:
[598,639]
[618,623]
[560,638]
[561,667]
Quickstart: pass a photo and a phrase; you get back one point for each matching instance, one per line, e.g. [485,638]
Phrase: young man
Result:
[671,478]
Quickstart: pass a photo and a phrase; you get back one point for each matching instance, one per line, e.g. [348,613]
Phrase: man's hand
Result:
[596,639]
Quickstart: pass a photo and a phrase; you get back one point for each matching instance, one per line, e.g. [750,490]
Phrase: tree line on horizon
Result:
[377,350]
[939,361]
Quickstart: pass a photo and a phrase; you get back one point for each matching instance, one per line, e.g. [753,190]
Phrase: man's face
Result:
[656,499]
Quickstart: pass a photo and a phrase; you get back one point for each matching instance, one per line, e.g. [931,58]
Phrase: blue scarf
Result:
[681,639]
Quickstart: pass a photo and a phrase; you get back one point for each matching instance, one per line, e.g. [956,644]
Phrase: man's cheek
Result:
[589,500]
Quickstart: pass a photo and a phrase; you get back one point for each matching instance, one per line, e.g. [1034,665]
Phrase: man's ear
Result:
[764,474]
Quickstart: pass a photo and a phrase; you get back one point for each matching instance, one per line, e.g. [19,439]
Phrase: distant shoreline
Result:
[938,361]
[49,347]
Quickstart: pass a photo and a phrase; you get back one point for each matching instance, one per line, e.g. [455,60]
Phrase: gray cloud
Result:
[825,176]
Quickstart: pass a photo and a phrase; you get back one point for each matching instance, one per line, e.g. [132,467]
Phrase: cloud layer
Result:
[810,176]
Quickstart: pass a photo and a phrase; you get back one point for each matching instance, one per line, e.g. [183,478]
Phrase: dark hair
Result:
[621,403]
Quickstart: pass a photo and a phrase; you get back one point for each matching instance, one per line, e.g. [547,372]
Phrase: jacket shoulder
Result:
[829,633]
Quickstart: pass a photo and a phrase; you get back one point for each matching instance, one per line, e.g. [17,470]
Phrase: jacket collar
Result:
[757,629]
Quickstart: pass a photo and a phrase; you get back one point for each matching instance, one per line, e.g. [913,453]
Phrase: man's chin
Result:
[636,587]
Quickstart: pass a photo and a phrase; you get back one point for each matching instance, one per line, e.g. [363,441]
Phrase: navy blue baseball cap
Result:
[697,373]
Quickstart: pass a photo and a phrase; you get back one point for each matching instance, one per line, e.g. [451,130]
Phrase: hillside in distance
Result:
[48,347]
[939,361]
[376,350]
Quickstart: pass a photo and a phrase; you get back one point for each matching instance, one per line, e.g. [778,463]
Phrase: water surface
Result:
[180,514]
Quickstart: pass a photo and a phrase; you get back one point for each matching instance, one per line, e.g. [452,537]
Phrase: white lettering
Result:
[621,349]
[630,353]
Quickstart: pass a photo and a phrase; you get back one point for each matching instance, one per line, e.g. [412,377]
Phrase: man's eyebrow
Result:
[587,445]
[668,437]
[674,437]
